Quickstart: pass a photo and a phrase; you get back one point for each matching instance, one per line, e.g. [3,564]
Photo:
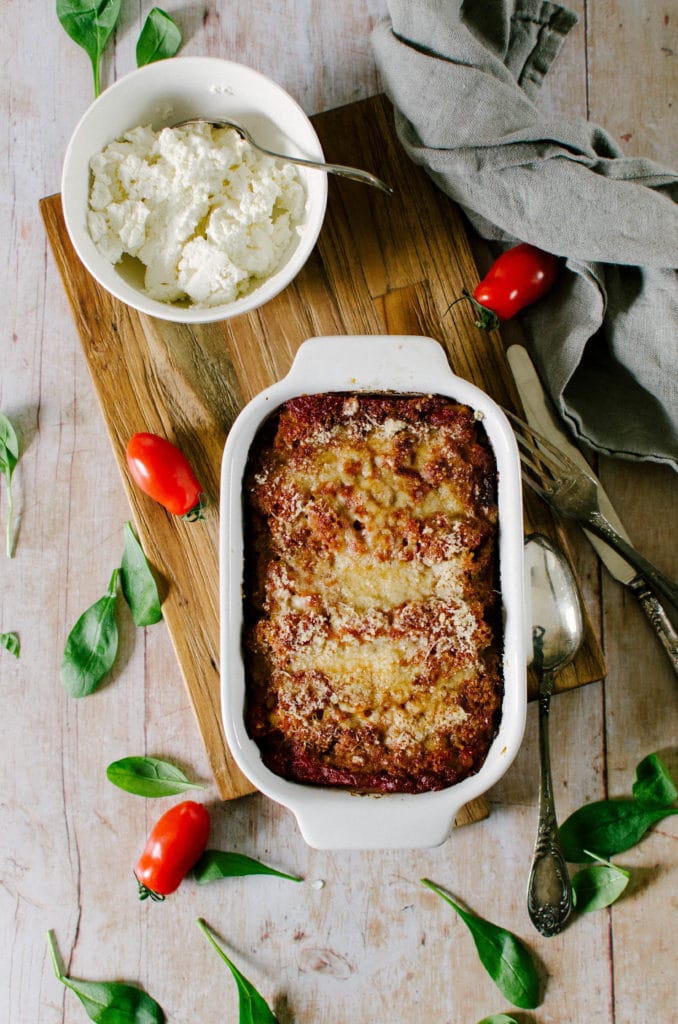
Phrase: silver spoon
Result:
[557,628]
[345,172]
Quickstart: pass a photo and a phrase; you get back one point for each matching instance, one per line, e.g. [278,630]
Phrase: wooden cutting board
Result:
[383,265]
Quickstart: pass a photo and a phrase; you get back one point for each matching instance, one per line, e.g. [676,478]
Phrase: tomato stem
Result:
[145,893]
[487,320]
[196,512]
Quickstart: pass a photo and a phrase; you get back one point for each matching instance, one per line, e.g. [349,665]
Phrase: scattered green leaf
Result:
[498,1018]
[90,23]
[10,641]
[253,1007]
[215,864]
[9,456]
[607,827]
[505,958]
[653,784]
[160,38]
[138,583]
[149,777]
[598,885]
[108,1002]
[92,644]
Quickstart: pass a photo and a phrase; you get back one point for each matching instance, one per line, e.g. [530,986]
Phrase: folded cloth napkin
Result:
[461,75]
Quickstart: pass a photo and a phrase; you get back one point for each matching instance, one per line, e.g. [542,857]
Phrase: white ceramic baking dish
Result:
[333,818]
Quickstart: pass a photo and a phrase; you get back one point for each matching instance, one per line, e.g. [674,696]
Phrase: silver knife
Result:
[539,415]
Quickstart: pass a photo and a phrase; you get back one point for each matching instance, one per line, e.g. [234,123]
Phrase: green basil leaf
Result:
[138,583]
[253,1007]
[10,641]
[653,784]
[9,446]
[9,456]
[149,777]
[216,864]
[498,1018]
[505,958]
[160,38]
[108,1002]
[607,827]
[598,886]
[90,23]
[92,645]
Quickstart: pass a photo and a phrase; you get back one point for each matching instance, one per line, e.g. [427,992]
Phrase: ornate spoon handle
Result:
[549,892]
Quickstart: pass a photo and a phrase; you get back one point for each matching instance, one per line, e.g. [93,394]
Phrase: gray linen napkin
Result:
[461,76]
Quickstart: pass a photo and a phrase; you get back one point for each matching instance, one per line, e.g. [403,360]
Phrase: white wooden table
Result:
[371,944]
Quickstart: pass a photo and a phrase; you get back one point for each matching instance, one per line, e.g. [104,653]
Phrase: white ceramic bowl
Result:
[162,94]
[333,818]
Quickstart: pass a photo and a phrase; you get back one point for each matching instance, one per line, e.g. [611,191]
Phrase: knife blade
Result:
[539,415]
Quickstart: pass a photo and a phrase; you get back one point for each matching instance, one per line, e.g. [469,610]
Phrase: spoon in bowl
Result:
[557,629]
[346,172]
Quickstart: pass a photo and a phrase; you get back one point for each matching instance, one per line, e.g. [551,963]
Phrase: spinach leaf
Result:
[137,582]
[90,23]
[607,827]
[219,864]
[598,886]
[253,1008]
[9,456]
[498,1018]
[108,1002]
[10,641]
[502,954]
[92,644]
[160,38]
[148,776]
[653,784]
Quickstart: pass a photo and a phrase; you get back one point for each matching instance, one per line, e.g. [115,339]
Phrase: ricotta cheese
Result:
[208,216]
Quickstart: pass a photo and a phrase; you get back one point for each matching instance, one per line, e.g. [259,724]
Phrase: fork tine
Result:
[534,476]
[533,458]
[533,483]
[557,462]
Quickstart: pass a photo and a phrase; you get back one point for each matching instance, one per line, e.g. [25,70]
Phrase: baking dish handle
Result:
[344,821]
[405,362]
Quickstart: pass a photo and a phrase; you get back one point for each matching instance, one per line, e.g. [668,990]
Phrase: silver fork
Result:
[571,492]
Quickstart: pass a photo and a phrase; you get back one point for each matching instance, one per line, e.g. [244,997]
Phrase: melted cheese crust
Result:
[372,645]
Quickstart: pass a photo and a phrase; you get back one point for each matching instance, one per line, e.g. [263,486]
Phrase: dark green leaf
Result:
[10,641]
[90,23]
[9,447]
[598,886]
[216,864]
[253,1008]
[504,957]
[9,456]
[108,1002]
[137,582]
[148,776]
[160,38]
[92,645]
[498,1018]
[607,827]
[653,784]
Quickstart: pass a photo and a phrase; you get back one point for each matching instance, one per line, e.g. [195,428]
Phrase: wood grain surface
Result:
[383,264]
[359,939]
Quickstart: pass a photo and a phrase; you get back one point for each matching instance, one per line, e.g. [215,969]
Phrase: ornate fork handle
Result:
[598,524]
[657,618]
[549,891]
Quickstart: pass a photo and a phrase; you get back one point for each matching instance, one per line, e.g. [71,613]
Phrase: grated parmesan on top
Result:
[373,641]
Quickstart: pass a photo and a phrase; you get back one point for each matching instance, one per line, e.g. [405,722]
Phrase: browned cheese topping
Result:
[372,638]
